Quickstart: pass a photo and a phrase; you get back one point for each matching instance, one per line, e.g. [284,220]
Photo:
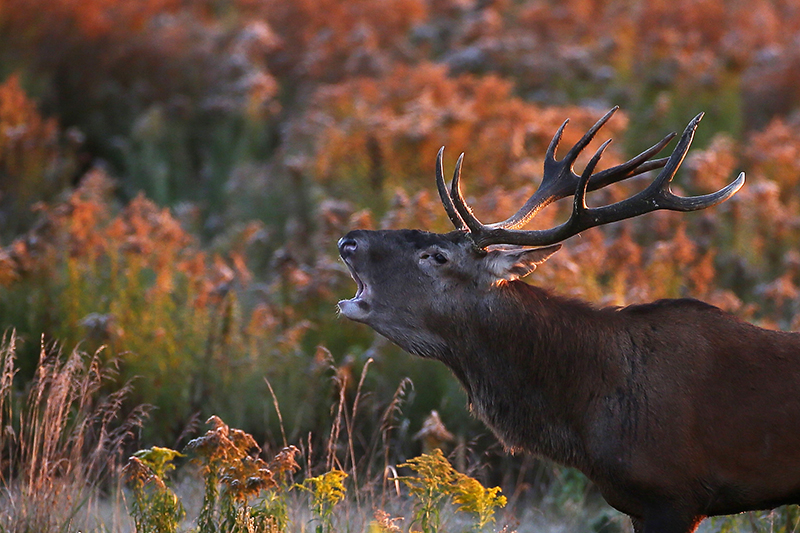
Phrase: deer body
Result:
[675,409]
[671,404]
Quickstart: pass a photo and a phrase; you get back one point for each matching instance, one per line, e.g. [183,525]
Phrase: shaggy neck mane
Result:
[516,382]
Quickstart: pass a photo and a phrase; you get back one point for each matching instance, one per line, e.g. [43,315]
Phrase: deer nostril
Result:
[347,246]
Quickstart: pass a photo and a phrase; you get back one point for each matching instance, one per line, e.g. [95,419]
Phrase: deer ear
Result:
[517,263]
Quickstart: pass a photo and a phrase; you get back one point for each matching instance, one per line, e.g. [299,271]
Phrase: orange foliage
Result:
[352,99]
[775,154]
[30,153]
[392,127]
[27,141]
[325,39]
[142,232]
[93,19]
[557,48]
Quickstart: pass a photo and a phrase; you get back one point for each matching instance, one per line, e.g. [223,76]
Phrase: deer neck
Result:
[524,363]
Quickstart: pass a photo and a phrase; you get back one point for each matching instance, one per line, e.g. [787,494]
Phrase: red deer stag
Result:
[675,409]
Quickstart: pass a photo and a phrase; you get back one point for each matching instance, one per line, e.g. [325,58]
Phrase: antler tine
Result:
[677,156]
[669,200]
[579,203]
[550,155]
[449,208]
[475,226]
[559,179]
[656,196]
[633,167]
[576,150]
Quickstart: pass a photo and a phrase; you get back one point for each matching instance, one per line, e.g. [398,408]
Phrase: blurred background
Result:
[174,176]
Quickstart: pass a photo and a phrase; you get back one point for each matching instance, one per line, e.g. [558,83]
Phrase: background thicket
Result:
[174,176]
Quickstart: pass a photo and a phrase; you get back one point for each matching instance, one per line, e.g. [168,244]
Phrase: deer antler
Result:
[560,181]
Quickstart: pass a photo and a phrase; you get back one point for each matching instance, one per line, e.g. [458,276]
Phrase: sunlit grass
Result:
[62,439]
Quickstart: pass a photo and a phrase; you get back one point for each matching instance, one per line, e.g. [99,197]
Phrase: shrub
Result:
[34,166]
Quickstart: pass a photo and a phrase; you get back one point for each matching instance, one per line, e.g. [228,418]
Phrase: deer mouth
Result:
[360,285]
[356,308]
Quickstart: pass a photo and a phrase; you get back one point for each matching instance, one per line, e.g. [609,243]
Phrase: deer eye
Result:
[439,257]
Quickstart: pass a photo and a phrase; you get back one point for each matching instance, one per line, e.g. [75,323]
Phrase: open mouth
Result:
[359,284]
[356,308]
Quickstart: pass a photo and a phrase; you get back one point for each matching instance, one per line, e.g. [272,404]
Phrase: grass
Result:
[246,493]
[61,440]
[63,446]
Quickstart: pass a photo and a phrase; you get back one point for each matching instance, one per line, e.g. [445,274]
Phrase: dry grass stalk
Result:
[349,423]
[59,439]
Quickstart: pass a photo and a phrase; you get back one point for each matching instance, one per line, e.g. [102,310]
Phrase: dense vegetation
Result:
[174,176]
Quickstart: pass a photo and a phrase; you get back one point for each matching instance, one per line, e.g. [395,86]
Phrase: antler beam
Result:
[560,181]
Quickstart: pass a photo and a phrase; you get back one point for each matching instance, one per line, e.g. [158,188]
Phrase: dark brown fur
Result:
[674,409]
